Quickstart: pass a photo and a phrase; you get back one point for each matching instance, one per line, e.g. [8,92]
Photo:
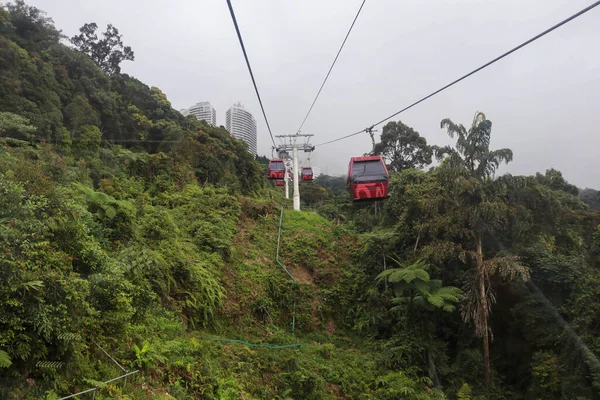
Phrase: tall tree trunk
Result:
[432,371]
[385,269]
[417,242]
[484,311]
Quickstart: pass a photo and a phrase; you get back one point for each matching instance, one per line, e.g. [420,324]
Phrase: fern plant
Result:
[398,385]
[5,361]
[413,287]
[31,285]
[68,337]
[146,356]
[464,393]
[49,364]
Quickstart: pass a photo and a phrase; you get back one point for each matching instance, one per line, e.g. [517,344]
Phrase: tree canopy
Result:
[402,147]
[107,52]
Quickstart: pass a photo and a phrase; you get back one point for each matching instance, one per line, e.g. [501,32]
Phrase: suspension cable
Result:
[237,29]
[536,37]
[331,68]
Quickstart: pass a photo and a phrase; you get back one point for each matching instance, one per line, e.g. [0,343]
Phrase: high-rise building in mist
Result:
[316,172]
[202,111]
[242,125]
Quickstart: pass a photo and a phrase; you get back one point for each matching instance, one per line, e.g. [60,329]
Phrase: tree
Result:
[554,179]
[472,156]
[5,25]
[479,206]
[591,197]
[262,160]
[79,113]
[337,184]
[416,295]
[402,147]
[413,288]
[313,194]
[108,52]
[31,25]
[15,126]
[88,142]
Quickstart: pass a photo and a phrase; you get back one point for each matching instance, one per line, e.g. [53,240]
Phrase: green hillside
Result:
[136,239]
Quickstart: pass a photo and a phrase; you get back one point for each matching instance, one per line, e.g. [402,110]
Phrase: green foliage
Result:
[15,126]
[146,357]
[546,373]
[31,25]
[128,225]
[96,235]
[108,52]
[591,197]
[79,113]
[4,359]
[51,92]
[472,227]
[313,195]
[335,184]
[464,393]
[554,179]
[412,285]
[262,160]
[397,385]
[472,155]
[403,148]
[116,216]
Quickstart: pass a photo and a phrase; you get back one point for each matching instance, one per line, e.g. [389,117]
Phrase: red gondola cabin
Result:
[368,178]
[279,182]
[276,169]
[307,174]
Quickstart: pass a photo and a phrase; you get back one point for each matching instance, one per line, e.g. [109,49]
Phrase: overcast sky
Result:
[544,101]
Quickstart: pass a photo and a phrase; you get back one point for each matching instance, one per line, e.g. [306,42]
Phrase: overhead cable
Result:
[572,17]
[237,29]
[332,64]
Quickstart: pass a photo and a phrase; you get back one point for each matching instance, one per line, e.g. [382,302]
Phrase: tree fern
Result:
[49,364]
[5,361]
[103,205]
[31,285]
[412,285]
[68,337]
[464,393]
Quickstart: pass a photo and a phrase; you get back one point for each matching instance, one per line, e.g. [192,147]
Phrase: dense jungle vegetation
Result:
[129,230]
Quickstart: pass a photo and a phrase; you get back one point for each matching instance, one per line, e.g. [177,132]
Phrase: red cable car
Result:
[276,169]
[368,178]
[307,174]
[279,182]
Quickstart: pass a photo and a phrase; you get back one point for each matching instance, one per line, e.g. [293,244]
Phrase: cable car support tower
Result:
[294,143]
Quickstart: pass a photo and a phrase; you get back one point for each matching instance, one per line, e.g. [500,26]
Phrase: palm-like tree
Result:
[467,172]
[472,155]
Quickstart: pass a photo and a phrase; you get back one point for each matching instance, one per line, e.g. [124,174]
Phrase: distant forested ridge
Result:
[591,197]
